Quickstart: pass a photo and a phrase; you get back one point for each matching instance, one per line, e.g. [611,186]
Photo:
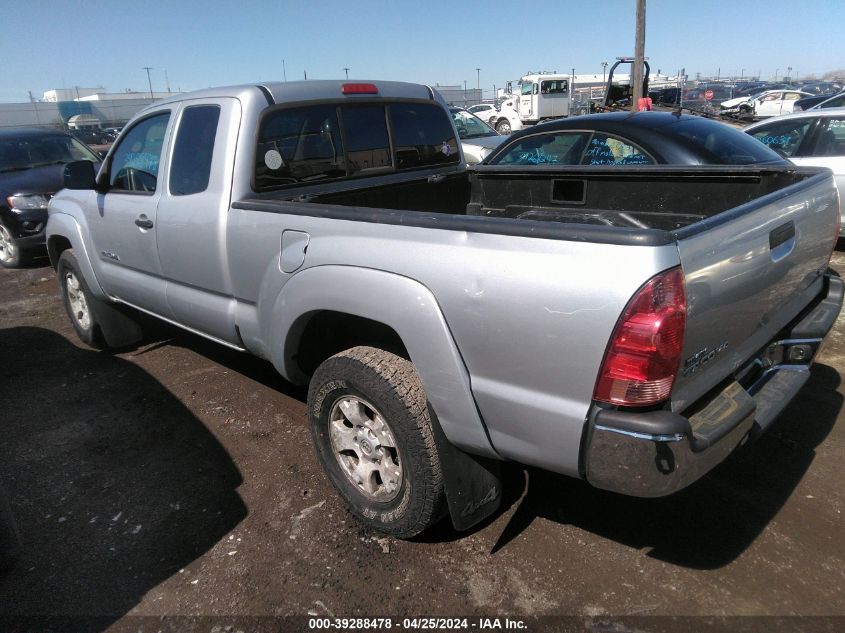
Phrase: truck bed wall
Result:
[625,198]
[631,198]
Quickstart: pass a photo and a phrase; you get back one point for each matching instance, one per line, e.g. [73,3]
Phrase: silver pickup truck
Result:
[630,326]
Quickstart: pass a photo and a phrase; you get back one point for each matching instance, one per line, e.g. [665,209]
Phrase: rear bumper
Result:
[656,453]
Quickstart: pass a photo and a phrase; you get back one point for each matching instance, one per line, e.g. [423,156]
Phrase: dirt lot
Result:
[179,479]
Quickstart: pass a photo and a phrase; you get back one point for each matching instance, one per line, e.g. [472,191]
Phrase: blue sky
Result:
[51,44]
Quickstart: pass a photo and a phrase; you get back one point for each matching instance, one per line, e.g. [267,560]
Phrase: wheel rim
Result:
[77,301]
[365,448]
[504,128]
[7,248]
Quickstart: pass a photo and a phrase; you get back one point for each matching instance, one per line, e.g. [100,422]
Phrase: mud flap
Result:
[473,484]
[118,329]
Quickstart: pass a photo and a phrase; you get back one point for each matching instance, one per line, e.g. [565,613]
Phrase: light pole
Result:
[478,81]
[776,74]
[603,73]
[149,81]
[789,73]
[346,70]
[465,93]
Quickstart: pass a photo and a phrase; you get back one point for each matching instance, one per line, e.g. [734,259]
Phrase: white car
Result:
[477,138]
[815,138]
[485,111]
[768,103]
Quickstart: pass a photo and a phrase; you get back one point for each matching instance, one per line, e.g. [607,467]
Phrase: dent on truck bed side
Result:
[407,307]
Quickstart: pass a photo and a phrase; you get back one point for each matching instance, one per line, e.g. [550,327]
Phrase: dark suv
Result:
[95,135]
[31,171]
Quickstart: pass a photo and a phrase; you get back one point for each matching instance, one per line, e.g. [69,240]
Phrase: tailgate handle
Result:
[783,233]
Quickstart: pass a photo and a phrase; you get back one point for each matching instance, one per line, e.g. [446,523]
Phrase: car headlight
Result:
[27,202]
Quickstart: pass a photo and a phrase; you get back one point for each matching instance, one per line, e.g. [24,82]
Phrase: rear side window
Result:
[784,137]
[831,137]
[608,150]
[134,164]
[305,144]
[191,164]
[554,87]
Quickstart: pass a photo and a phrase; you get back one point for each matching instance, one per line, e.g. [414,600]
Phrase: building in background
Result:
[458,96]
[69,94]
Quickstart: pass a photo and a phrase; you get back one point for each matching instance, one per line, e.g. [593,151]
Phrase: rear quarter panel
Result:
[531,317]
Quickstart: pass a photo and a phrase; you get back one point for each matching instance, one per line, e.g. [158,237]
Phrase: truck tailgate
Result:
[749,272]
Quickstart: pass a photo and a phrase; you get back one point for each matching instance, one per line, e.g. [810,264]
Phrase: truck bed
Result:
[664,198]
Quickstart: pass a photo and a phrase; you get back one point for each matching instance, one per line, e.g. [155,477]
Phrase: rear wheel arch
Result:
[318,335]
[363,306]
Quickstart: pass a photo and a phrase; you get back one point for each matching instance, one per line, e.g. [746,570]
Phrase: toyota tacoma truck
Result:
[630,326]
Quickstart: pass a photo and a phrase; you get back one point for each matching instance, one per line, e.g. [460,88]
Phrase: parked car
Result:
[477,138]
[766,104]
[815,137]
[31,165]
[94,135]
[625,138]
[484,111]
[806,103]
[836,101]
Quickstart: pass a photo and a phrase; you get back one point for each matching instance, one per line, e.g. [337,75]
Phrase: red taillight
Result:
[359,89]
[644,352]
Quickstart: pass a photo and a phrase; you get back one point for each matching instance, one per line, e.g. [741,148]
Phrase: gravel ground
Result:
[178,479]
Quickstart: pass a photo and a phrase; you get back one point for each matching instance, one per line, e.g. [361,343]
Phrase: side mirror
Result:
[80,175]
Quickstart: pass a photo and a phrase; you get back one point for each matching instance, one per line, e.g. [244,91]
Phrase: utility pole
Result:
[478,79]
[639,57]
[149,81]
[346,70]
[603,73]
[34,107]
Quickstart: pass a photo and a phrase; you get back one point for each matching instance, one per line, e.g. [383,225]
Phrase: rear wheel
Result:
[373,434]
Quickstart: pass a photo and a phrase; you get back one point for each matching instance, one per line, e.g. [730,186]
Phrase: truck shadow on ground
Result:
[705,526]
[158,333]
[711,523]
[115,484]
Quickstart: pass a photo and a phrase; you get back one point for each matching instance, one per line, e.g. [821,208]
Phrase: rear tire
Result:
[373,433]
[503,126]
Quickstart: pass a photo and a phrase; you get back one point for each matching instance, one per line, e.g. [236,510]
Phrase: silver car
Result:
[477,138]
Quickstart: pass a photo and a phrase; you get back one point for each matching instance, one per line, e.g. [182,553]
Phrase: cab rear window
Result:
[304,144]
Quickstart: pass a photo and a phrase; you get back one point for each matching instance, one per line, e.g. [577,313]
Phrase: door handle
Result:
[144,222]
